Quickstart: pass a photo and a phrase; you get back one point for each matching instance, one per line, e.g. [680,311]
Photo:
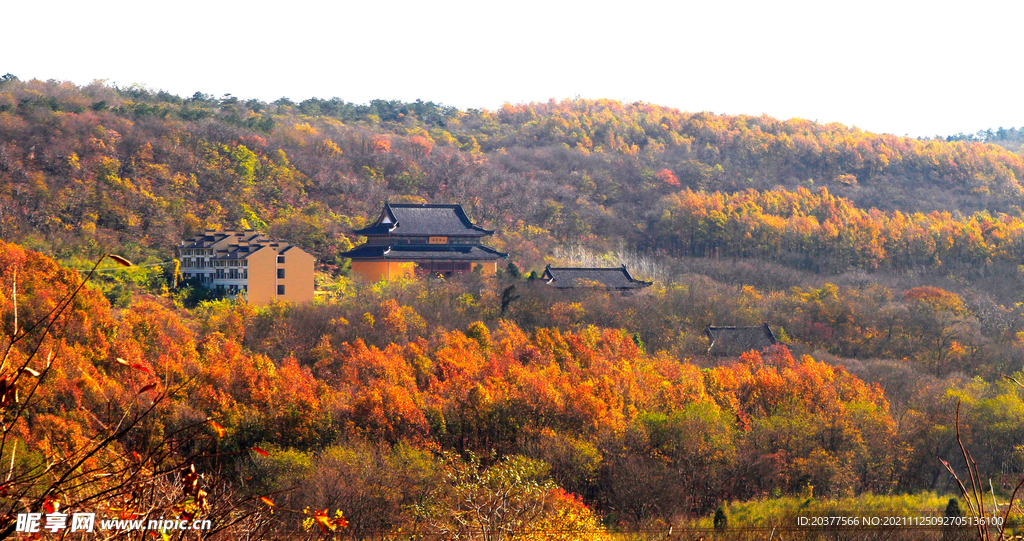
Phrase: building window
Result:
[245,274]
[245,288]
[280,259]
[280,290]
[280,273]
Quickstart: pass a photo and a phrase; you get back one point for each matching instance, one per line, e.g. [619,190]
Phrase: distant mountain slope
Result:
[85,168]
[1009,138]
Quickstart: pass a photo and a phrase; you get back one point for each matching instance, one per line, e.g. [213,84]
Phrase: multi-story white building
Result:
[248,262]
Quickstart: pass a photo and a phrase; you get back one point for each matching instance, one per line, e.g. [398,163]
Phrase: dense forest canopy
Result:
[98,167]
[889,268]
[346,399]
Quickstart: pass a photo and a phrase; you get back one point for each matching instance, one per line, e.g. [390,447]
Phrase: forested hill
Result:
[84,169]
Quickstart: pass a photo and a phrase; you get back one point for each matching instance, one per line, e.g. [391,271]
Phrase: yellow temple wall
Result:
[375,271]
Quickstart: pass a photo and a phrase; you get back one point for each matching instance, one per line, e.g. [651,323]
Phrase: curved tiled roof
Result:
[424,220]
[609,277]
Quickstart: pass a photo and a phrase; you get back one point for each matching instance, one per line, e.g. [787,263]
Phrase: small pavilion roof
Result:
[608,277]
[737,340]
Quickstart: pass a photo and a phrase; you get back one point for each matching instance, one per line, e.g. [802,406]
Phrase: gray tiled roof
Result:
[609,277]
[424,220]
[436,252]
[232,244]
[738,340]
[209,237]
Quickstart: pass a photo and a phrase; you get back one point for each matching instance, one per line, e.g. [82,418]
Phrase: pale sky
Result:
[906,67]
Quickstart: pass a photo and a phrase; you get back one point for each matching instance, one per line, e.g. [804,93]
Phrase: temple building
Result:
[610,278]
[410,240]
[249,263]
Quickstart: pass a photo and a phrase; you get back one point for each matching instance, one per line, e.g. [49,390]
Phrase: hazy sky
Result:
[906,67]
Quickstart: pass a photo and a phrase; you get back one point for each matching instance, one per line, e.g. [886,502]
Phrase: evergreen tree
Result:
[722,517]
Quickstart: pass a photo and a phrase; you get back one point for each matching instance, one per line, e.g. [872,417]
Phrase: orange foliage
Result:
[479,390]
[381,145]
[821,226]
[937,298]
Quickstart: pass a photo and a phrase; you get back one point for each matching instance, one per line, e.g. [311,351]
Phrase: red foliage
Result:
[668,177]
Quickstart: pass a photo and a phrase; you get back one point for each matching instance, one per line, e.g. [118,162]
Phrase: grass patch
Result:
[784,511]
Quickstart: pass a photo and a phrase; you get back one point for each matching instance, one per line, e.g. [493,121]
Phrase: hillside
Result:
[888,267]
[431,389]
[83,169]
